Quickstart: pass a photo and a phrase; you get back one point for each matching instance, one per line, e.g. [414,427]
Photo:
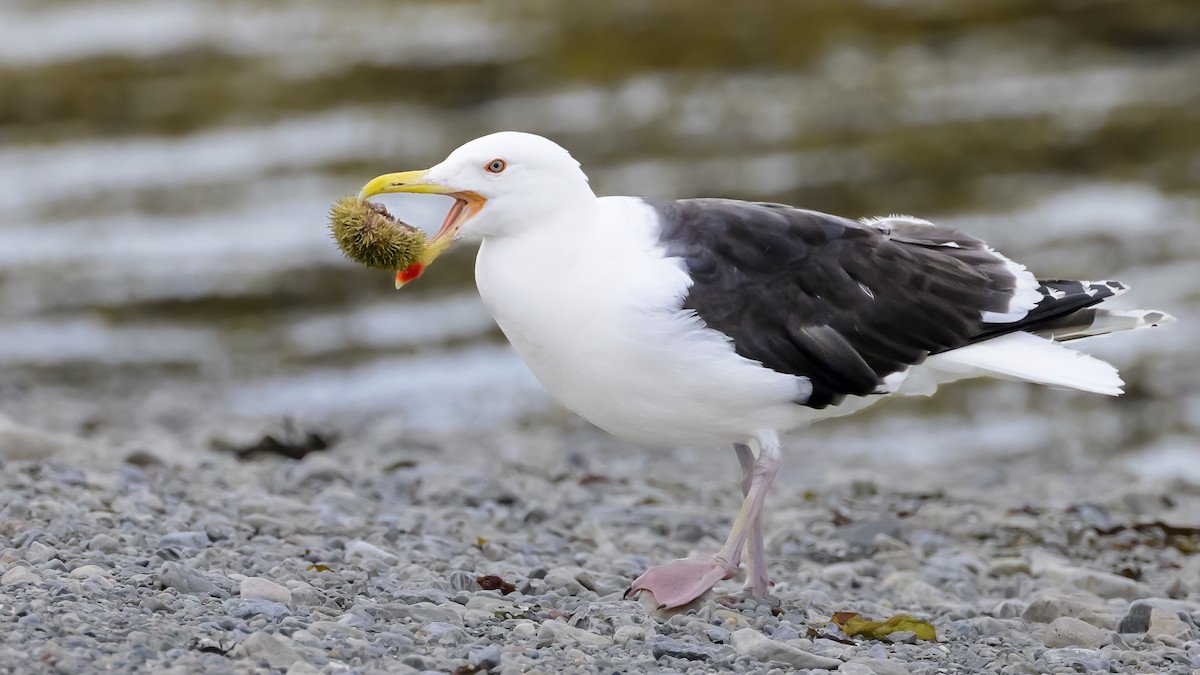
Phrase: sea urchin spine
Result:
[367,234]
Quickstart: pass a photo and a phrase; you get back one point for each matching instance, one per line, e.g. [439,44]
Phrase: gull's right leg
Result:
[682,581]
[757,581]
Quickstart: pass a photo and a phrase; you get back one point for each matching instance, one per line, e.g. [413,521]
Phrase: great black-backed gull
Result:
[704,322]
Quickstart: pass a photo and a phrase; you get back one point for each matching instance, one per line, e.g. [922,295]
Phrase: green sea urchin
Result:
[367,234]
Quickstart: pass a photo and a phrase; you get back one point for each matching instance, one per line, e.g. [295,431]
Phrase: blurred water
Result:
[165,169]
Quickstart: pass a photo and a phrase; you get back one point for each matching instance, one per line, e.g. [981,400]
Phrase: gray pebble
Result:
[245,608]
[1136,620]
[185,540]
[276,650]
[39,553]
[19,574]
[1074,659]
[104,543]
[873,666]
[1068,631]
[264,589]
[754,644]
[680,649]
[425,612]
[902,637]
[185,580]
[487,658]
[559,633]
[1103,584]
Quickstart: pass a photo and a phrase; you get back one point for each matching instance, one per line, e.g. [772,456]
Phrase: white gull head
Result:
[503,184]
[524,178]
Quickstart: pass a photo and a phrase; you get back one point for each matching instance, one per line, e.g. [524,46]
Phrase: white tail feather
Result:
[1107,321]
[1023,356]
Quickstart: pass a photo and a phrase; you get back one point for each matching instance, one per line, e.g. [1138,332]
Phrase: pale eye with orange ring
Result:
[495,166]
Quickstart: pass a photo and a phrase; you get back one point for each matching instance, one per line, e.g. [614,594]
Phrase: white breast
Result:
[593,308]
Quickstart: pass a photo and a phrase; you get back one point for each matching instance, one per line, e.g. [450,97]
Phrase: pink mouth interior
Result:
[452,217]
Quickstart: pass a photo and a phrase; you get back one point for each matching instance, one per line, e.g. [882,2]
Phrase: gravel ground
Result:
[510,552]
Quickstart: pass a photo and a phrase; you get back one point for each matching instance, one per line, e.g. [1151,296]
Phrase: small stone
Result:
[680,649]
[143,458]
[1166,626]
[277,650]
[243,608]
[839,575]
[1010,609]
[730,620]
[1103,584]
[1068,631]
[1074,659]
[986,626]
[1137,619]
[361,550]
[1047,608]
[1006,567]
[104,543]
[265,589]
[462,581]
[871,666]
[558,633]
[628,632]
[334,629]
[19,575]
[495,606]
[863,533]
[910,591]
[416,662]
[754,644]
[185,580]
[303,668]
[486,659]
[89,571]
[565,580]
[22,442]
[275,526]
[526,629]
[427,612]
[185,540]
[1189,574]
[902,637]
[886,543]
[39,553]
[445,633]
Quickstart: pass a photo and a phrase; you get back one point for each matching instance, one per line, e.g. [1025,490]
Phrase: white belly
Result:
[596,316]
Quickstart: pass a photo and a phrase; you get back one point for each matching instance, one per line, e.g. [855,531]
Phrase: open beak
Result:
[466,205]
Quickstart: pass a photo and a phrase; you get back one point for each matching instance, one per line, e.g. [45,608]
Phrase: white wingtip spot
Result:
[885,222]
[1025,296]
[1094,287]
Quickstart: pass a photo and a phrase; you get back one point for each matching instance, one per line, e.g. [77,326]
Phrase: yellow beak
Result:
[466,205]
[405,181]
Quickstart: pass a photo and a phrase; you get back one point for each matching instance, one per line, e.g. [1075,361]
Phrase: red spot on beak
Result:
[409,273]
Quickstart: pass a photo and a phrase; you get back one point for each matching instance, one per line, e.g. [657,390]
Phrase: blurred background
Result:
[166,169]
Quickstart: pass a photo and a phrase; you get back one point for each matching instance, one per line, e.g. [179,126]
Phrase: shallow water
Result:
[165,169]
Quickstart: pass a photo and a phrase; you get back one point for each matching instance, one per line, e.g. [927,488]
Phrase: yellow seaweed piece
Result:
[853,623]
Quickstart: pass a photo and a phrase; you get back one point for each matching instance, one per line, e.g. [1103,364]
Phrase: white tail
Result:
[1024,356]
[1093,322]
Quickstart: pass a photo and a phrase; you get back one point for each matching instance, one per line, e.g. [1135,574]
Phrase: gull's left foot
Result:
[681,581]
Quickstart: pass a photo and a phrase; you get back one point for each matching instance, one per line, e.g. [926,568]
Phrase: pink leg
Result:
[757,581]
[681,581]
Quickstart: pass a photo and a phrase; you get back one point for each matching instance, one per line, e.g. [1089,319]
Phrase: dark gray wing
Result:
[842,303]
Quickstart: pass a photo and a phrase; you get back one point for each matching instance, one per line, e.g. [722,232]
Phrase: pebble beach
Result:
[226,449]
[510,553]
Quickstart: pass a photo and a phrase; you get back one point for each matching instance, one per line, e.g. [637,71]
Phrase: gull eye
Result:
[495,166]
